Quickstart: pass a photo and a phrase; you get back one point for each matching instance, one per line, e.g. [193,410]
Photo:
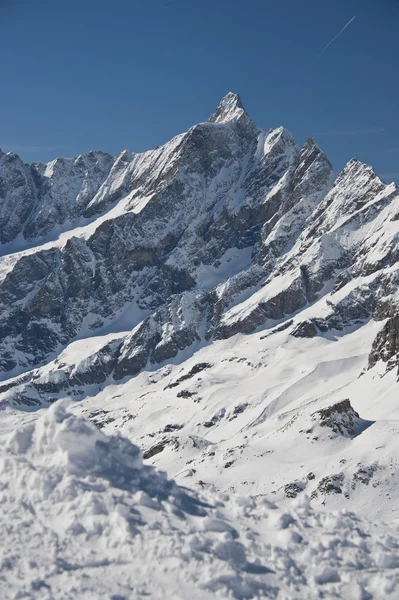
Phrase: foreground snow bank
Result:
[82,517]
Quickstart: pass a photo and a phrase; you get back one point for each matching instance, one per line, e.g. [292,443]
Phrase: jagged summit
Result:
[310,144]
[165,223]
[229,109]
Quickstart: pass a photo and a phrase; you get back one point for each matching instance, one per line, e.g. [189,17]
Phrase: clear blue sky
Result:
[96,74]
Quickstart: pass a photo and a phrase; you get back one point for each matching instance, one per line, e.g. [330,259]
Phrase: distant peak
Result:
[361,173]
[280,136]
[229,108]
[311,149]
[356,167]
[283,133]
[231,97]
[310,143]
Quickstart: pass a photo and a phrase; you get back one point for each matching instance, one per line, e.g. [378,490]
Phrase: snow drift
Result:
[82,517]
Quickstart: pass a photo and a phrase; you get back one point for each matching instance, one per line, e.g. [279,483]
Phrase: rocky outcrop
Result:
[341,419]
[386,345]
[305,329]
[332,484]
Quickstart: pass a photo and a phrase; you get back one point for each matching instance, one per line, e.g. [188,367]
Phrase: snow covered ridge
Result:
[91,241]
[81,516]
[223,230]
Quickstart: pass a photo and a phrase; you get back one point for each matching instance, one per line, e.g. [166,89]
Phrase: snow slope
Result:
[246,415]
[83,517]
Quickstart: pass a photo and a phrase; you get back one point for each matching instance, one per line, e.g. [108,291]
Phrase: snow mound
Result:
[82,517]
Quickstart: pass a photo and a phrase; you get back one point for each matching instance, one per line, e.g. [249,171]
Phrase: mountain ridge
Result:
[167,180]
[220,291]
[230,112]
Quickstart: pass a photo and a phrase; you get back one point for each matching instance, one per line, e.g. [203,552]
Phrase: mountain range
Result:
[226,301]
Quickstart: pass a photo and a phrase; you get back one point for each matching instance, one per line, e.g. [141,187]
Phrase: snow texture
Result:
[82,517]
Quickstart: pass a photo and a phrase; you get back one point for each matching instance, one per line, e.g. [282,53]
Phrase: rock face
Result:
[341,419]
[224,229]
[386,344]
[35,199]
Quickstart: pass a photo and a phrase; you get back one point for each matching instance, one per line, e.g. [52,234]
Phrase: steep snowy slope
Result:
[225,301]
[268,414]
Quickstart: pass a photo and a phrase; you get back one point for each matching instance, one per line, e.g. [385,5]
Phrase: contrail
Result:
[338,34]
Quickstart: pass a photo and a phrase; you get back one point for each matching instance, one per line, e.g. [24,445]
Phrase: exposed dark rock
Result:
[329,485]
[193,371]
[342,419]
[280,305]
[100,418]
[215,419]
[172,427]
[291,490]
[223,186]
[186,394]
[238,410]
[229,464]
[154,450]
[364,474]
[306,329]
[386,345]
[160,447]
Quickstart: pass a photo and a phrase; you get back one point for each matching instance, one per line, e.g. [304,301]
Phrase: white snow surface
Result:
[83,517]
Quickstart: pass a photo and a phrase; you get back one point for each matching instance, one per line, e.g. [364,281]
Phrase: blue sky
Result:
[95,74]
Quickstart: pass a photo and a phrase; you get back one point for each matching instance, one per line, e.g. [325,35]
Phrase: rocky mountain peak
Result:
[280,140]
[230,108]
[312,157]
[310,147]
[341,419]
[358,173]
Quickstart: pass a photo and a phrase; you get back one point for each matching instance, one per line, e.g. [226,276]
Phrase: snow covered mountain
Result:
[119,240]
[225,301]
